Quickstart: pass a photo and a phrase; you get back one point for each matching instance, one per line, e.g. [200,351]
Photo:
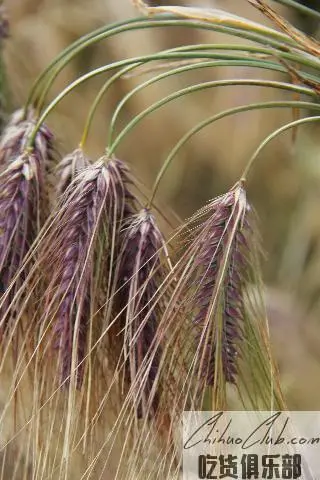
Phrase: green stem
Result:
[274,134]
[119,64]
[301,8]
[217,16]
[141,23]
[83,41]
[219,116]
[98,99]
[203,86]
[199,47]
[251,49]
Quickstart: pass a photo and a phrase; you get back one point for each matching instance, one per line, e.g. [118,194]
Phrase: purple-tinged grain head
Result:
[23,199]
[141,272]
[15,135]
[220,243]
[69,167]
[21,193]
[93,203]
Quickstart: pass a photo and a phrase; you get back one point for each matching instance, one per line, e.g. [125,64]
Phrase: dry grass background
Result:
[285,184]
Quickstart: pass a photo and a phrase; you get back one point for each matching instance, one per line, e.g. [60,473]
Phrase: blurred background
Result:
[283,187]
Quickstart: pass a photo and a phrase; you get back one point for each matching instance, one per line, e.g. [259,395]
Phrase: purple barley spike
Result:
[95,198]
[15,136]
[21,190]
[221,262]
[140,275]
[23,196]
[69,167]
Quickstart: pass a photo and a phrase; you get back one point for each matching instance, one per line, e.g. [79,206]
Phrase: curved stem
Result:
[301,8]
[215,15]
[92,74]
[248,48]
[119,64]
[198,47]
[106,86]
[219,116]
[274,134]
[81,41]
[203,86]
[98,99]
[141,23]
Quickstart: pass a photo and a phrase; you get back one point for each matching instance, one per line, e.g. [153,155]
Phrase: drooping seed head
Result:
[140,275]
[69,167]
[221,258]
[93,204]
[16,134]
[23,196]
[21,191]
[207,306]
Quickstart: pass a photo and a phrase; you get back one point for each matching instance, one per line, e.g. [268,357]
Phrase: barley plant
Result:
[114,317]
